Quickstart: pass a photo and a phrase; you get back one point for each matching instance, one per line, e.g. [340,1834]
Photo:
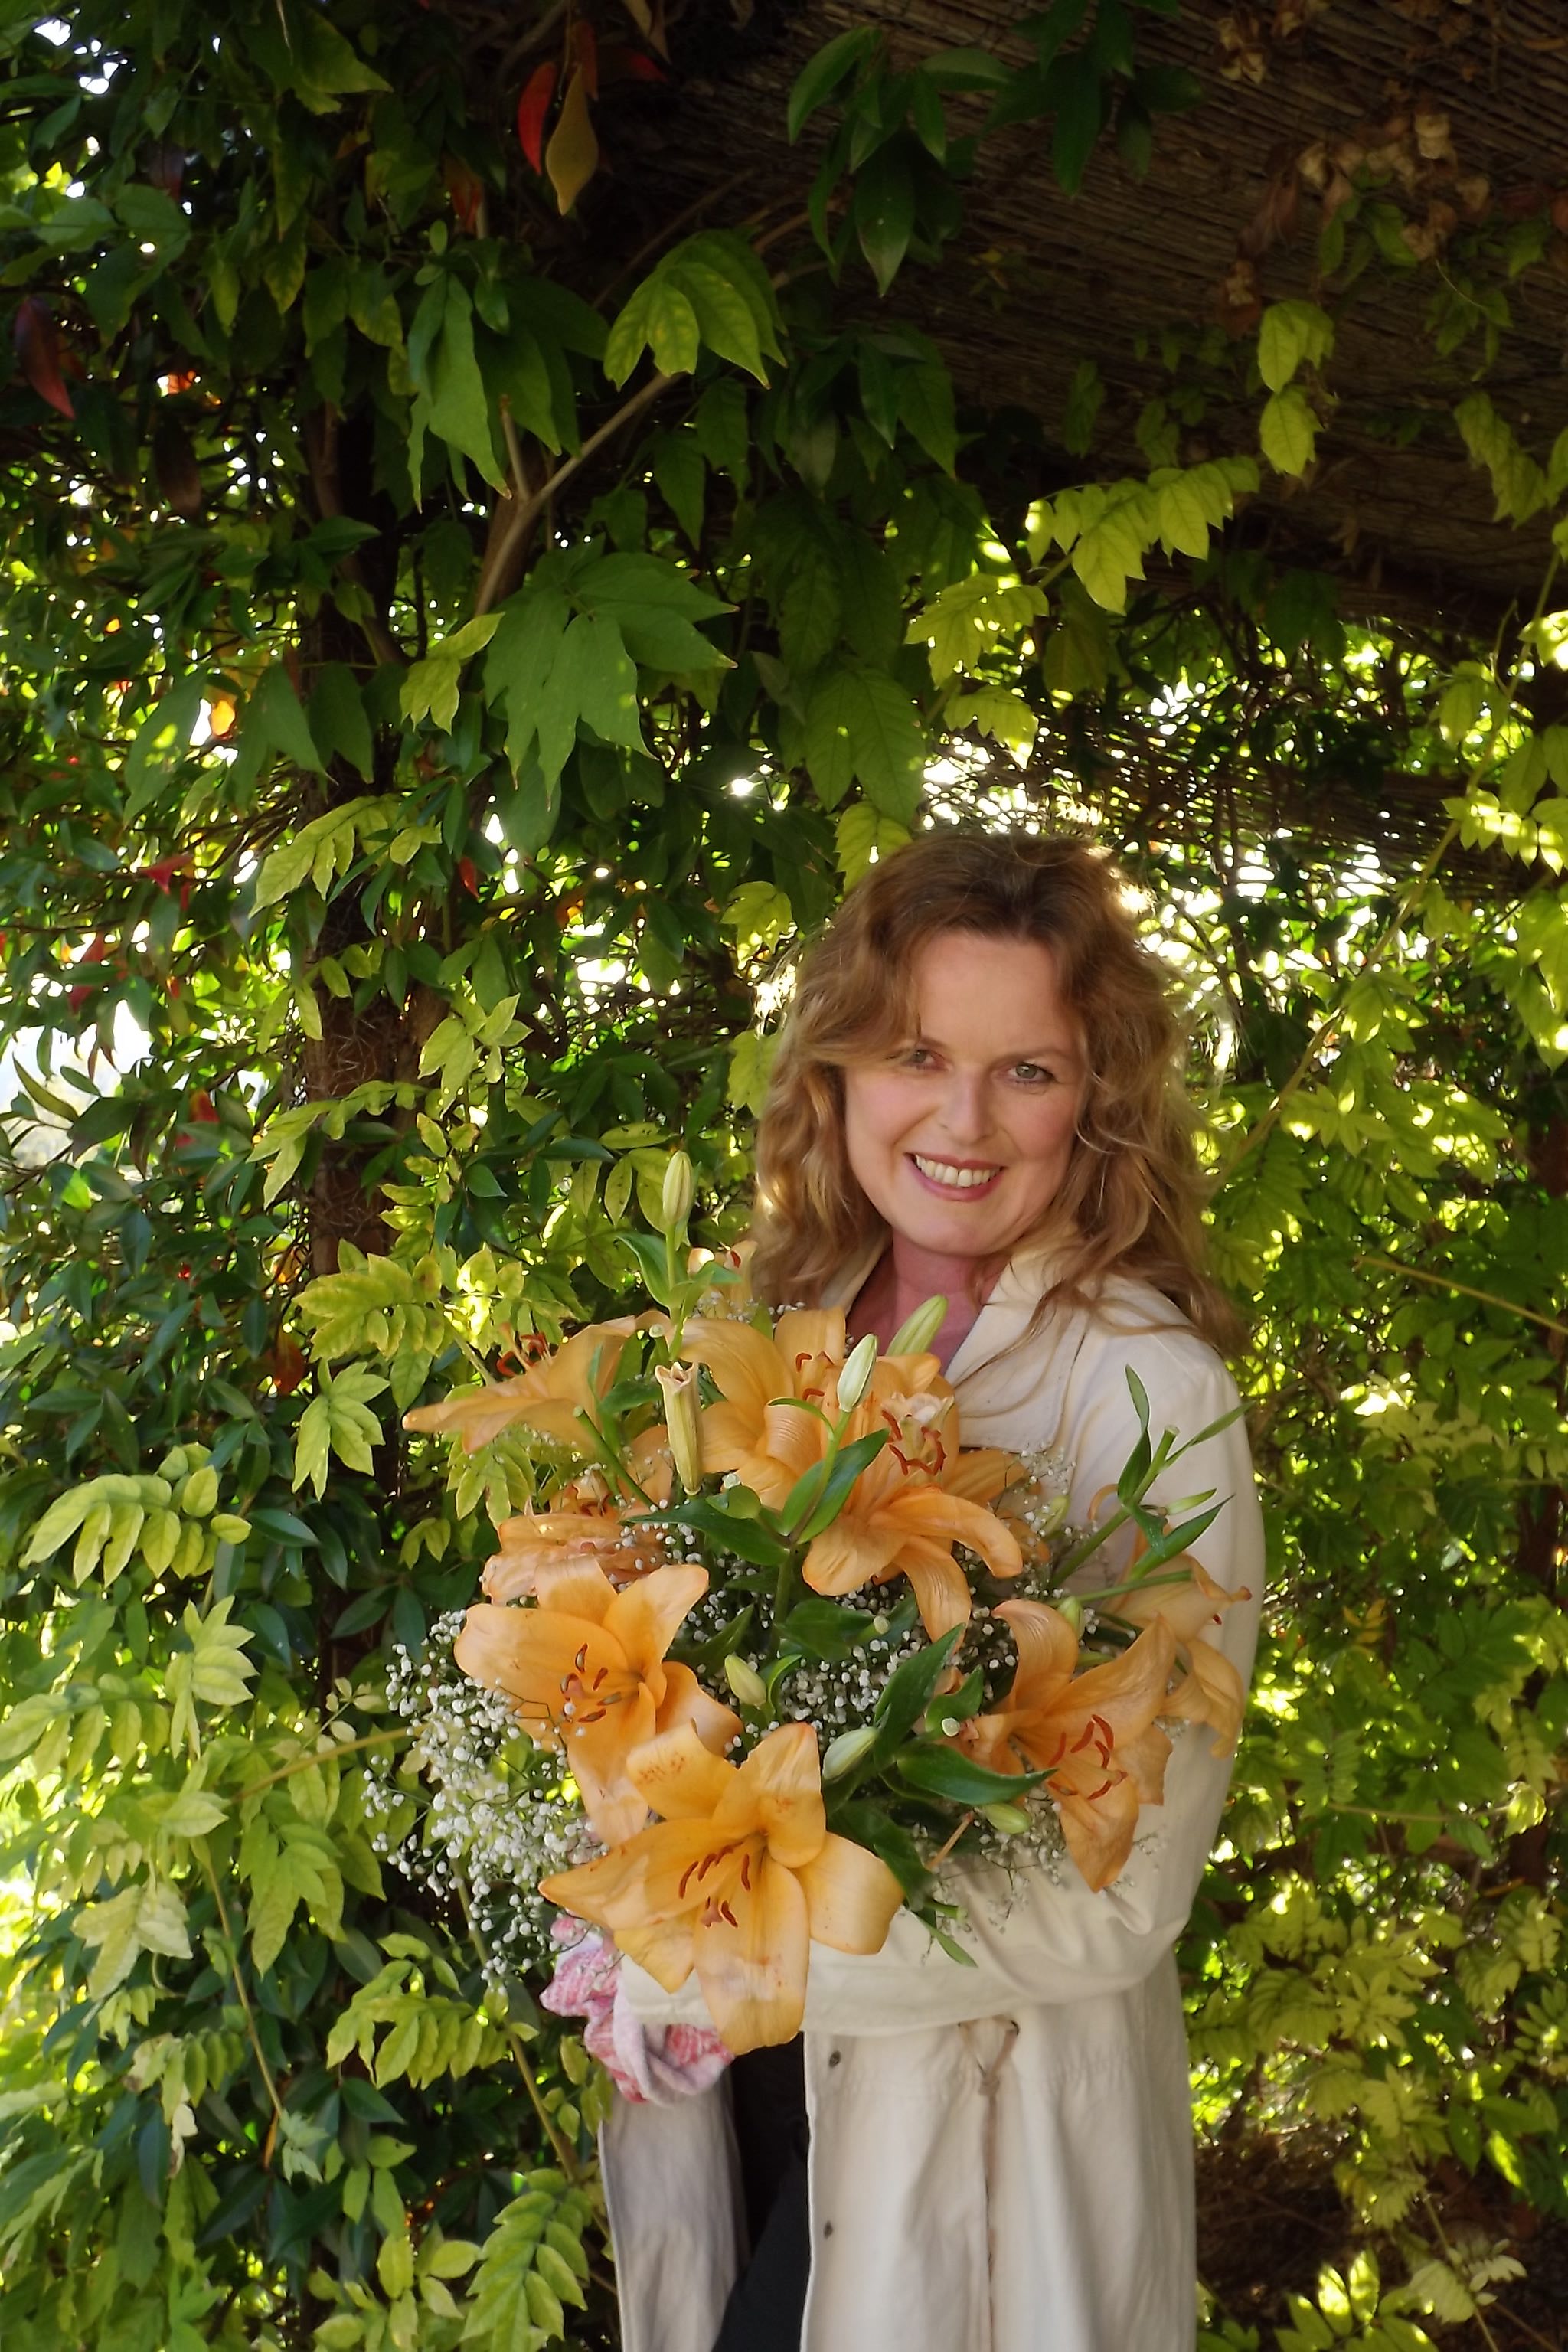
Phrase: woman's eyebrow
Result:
[1063,1052]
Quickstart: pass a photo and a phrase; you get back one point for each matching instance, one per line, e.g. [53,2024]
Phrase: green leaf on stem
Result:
[834,1491]
[946,1772]
[909,1689]
[825,72]
[864,1821]
[828,1629]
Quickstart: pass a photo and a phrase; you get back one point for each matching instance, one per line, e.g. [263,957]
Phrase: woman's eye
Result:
[916,1058]
[1034,1074]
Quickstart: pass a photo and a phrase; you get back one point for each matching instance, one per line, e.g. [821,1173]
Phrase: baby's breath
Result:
[501,1812]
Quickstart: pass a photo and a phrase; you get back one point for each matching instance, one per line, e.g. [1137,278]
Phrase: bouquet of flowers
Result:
[774,1645]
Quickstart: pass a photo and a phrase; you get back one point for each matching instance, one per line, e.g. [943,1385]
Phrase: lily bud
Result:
[855,1375]
[1010,1819]
[745,1681]
[844,1753]
[678,1383]
[1053,1516]
[1071,1607]
[914,1337]
[679,1192]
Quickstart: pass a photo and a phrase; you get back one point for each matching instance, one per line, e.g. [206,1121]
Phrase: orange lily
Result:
[547,1397]
[902,1516]
[584,1522]
[588,1668]
[734,1880]
[1094,1733]
[758,1429]
[908,1508]
[1211,1691]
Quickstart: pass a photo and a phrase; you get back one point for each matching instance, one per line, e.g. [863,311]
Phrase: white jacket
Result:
[1001,2155]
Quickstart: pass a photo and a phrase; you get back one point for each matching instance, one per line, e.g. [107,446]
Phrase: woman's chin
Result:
[950,1231]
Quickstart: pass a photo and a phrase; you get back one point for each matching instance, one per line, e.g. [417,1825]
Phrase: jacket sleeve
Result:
[1042,1936]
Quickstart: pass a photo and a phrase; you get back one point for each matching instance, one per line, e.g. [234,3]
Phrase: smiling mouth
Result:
[955,1178]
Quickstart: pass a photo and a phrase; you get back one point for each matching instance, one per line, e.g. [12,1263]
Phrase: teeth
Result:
[942,1171]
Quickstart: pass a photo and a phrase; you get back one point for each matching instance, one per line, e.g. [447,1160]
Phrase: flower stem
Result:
[325,1756]
[254,2038]
[565,2157]
[610,1455]
[1102,1593]
[785,1592]
[942,1851]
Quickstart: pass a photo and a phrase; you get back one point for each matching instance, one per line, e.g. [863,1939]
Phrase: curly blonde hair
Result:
[1131,1199]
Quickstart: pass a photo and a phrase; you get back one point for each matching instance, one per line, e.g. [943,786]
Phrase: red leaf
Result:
[469,875]
[618,64]
[166,169]
[586,50]
[532,108]
[202,1107]
[464,188]
[38,349]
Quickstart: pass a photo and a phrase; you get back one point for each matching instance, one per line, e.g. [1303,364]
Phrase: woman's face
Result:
[960,1137]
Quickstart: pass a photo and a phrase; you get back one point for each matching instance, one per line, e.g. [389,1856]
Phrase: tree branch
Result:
[509,539]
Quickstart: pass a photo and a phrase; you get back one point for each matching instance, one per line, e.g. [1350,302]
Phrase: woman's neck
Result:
[905,1276]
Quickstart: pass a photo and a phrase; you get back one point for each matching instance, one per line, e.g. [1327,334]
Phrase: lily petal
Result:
[596,1753]
[728,1434]
[664,1951]
[530,1653]
[650,1461]
[1048,1651]
[681,1778]
[1145,1758]
[553,1417]
[751,1957]
[609,1889]
[570,1372]
[850,1897]
[988,1739]
[1127,1692]
[686,1701]
[644,1619]
[779,1788]
[1211,1692]
[934,1511]
[746,1368]
[694,1869]
[805,1333]
[576,1586]
[938,1584]
[1099,1831]
[982,1473]
[848,1554]
[476,1415]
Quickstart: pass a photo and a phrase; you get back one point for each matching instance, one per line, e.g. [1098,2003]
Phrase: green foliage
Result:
[442,677]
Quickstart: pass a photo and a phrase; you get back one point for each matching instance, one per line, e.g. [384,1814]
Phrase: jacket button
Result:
[834,2057]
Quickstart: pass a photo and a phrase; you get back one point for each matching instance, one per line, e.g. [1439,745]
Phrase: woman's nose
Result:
[966,1110]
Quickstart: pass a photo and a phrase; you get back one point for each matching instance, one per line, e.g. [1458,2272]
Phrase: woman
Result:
[978,1094]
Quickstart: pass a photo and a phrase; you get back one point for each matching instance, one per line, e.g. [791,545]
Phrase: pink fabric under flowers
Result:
[653,2064]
